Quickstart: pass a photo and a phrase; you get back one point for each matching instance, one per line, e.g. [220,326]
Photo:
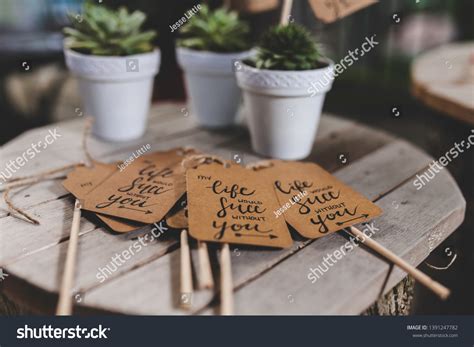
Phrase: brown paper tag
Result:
[178,219]
[331,10]
[84,179]
[144,192]
[120,225]
[234,205]
[314,202]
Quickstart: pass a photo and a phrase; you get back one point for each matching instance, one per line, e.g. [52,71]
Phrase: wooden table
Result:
[443,78]
[266,281]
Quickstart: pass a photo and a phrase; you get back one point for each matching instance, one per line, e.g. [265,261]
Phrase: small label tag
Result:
[84,179]
[178,218]
[316,203]
[331,10]
[144,192]
[234,205]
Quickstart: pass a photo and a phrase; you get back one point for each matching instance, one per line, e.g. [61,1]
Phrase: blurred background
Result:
[36,89]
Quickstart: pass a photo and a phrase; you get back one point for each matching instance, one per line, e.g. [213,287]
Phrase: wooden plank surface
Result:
[356,280]
[443,78]
[53,258]
[376,165]
[364,175]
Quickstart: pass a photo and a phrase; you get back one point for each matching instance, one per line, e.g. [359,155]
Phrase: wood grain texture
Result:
[443,79]
[55,212]
[406,230]
[368,175]
[67,150]
[33,255]
[396,302]
[97,246]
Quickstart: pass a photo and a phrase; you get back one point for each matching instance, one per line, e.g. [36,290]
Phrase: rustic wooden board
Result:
[87,268]
[376,165]
[56,214]
[356,280]
[249,264]
[443,78]
[52,258]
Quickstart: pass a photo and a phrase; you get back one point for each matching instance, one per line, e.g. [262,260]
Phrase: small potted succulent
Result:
[115,63]
[282,105]
[210,45]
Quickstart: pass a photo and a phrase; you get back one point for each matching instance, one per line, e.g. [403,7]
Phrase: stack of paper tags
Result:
[223,203]
[141,194]
[242,206]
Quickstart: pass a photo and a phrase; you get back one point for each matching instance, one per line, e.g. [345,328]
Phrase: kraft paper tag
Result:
[144,192]
[84,179]
[314,202]
[331,10]
[234,205]
[179,219]
[119,225]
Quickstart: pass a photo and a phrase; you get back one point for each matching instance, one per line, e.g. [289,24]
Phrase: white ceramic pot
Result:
[116,91]
[283,108]
[210,82]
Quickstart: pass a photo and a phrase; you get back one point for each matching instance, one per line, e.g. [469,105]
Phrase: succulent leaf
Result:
[289,47]
[220,30]
[102,31]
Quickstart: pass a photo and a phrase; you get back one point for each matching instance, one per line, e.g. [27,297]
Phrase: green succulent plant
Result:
[102,31]
[289,47]
[220,30]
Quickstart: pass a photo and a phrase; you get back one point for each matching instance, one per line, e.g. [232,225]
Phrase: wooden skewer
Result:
[227,288]
[186,272]
[286,12]
[205,272]
[65,294]
[424,279]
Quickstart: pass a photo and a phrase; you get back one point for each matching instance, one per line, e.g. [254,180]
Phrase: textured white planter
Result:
[211,86]
[283,108]
[116,91]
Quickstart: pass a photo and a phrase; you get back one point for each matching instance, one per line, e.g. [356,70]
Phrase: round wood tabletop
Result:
[266,281]
[443,78]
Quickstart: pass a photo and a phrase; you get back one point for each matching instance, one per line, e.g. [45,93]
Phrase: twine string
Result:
[186,150]
[33,179]
[194,161]
[259,165]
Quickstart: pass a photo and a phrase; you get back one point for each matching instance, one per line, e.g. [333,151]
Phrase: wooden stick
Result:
[186,271]
[424,279]
[65,294]
[286,12]
[205,272]
[227,288]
